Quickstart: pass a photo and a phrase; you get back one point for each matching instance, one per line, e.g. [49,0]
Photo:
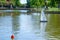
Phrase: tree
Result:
[37,3]
[28,3]
[34,3]
[58,3]
[17,2]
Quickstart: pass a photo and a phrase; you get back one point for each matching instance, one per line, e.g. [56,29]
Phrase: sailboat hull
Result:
[43,21]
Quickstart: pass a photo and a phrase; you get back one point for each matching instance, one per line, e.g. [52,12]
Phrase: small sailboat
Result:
[43,17]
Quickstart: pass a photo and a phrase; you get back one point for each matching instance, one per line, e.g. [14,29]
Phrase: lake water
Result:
[27,26]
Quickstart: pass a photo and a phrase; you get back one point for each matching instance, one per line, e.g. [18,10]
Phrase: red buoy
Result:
[12,36]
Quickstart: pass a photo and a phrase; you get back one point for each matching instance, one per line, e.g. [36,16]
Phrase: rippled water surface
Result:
[27,26]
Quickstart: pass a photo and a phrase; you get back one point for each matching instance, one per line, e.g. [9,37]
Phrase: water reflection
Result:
[42,30]
[53,27]
[23,26]
[15,23]
[15,26]
[36,23]
[5,27]
[13,10]
[28,26]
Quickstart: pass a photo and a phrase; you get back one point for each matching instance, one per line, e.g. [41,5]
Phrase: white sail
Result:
[43,17]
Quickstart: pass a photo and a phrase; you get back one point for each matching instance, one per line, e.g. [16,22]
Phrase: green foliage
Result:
[41,3]
[13,2]
[52,3]
[34,3]
[37,3]
[17,3]
[57,0]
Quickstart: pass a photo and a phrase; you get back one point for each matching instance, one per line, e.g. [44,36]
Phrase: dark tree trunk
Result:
[8,0]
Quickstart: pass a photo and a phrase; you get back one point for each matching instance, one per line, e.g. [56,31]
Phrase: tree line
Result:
[35,3]
[41,3]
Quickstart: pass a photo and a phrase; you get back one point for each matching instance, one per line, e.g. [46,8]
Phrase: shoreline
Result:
[34,10]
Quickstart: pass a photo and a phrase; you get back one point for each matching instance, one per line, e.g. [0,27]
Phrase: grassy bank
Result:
[48,10]
[53,9]
[35,9]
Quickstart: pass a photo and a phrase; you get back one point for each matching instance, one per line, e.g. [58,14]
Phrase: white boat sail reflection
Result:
[42,31]
[43,17]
